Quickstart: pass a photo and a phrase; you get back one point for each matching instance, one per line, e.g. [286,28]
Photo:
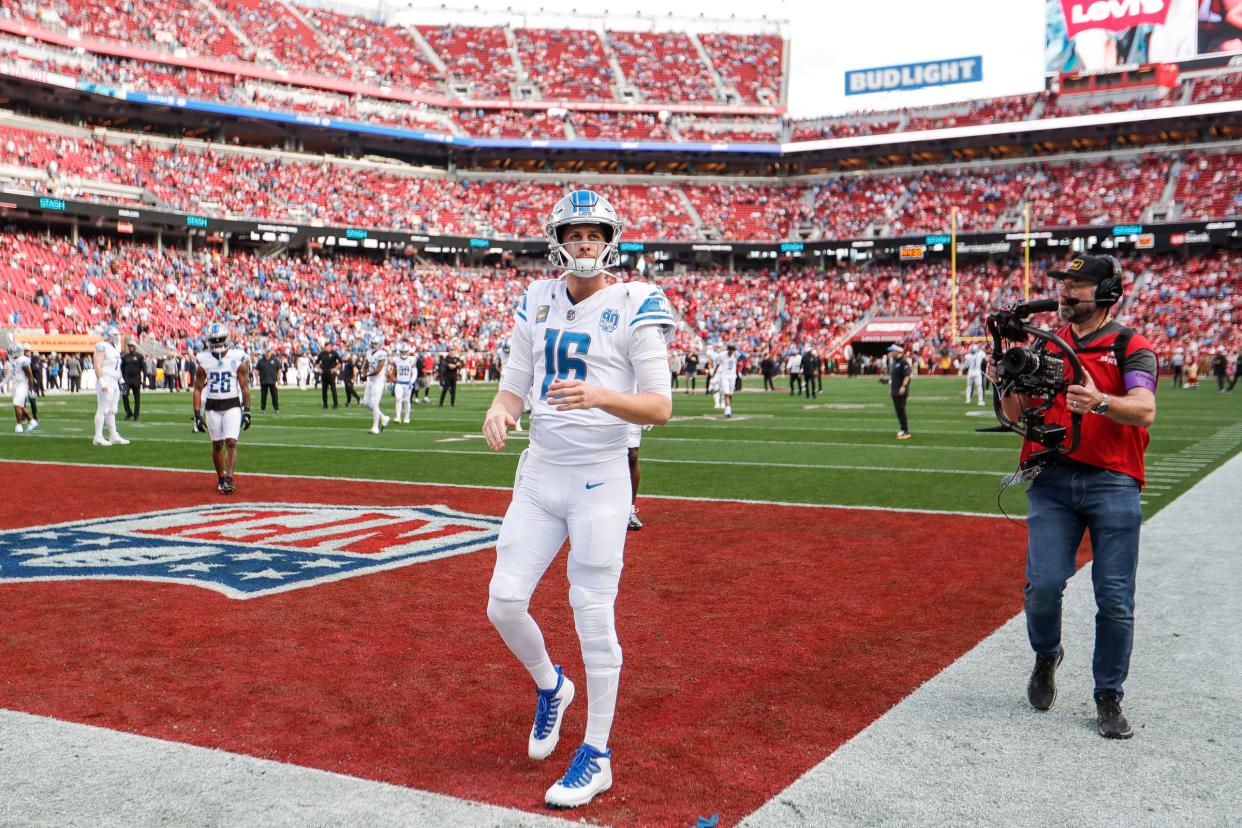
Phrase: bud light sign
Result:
[904,77]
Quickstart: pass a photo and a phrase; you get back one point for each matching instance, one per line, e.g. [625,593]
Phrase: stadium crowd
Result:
[264,185]
[299,304]
[389,57]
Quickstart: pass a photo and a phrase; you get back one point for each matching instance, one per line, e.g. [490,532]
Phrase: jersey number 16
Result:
[556,359]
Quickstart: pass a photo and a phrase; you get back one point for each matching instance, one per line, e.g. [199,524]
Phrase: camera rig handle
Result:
[1011,325]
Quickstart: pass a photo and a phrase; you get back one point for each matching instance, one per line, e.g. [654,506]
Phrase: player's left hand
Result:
[1083,398]
[246,419]
[572,395]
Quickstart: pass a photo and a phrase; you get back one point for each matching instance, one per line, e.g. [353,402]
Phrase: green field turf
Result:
[837,449]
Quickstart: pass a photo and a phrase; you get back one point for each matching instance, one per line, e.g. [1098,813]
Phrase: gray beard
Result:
[1077,313]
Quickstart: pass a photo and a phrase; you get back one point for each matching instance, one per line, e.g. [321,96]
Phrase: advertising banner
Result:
[914,75]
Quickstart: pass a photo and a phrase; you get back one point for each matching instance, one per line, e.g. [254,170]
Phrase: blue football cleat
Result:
[589,773]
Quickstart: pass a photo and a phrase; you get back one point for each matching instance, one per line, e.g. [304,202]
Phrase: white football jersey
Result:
[727,365]
[375,362]
[221,373]
[17,372]
[974,362]
[589,341]
[111,360]
[405,368]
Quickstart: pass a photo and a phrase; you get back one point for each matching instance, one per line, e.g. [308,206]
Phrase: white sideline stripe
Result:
[62,773]
[850,506]
[748,463]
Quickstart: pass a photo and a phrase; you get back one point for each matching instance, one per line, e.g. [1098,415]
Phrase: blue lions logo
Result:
[608,320]
[244,551]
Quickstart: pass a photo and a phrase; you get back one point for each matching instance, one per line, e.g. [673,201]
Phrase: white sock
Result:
[525,640]
[728,411]
[375,416]
[111,421]
[601,707]
[99,424]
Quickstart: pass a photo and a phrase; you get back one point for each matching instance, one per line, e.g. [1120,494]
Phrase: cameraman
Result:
[1095,489]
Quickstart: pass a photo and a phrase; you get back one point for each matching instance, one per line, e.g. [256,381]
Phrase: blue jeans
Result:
[1063,503]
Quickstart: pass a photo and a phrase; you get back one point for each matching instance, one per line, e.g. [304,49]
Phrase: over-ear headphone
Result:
[1108,291]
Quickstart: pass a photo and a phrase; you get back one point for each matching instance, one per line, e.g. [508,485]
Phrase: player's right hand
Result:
[200,425]
[496,426]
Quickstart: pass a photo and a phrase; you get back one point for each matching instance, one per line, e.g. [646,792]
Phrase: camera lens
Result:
[1018,362]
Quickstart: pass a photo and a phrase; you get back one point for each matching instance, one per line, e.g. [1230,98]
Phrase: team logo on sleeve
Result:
[541,315]
[608,320]
[244,551]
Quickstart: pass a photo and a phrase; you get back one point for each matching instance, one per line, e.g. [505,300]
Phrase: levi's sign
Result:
[1113,15]
[914,75]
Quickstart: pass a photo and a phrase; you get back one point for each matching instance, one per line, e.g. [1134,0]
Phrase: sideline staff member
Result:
[1096,488]
[329,362]
[900,372]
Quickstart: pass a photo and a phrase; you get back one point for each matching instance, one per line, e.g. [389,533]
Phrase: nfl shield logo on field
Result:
[244,551]
[608,320]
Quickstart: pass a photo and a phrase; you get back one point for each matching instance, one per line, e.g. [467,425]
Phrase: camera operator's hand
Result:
[1083,398]
[989,370]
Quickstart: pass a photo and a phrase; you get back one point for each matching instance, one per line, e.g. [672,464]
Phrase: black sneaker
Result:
[1041,691]
[226,485]
[220,486]
[1112,723]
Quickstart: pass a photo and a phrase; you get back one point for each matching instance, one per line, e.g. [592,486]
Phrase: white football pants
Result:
[589,504]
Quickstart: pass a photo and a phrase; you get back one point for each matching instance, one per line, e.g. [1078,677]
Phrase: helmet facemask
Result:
[577,208]
[217,336]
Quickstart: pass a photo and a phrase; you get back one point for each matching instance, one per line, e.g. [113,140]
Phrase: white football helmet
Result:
[584,207]
[377,342]
[217,337]
[406,350]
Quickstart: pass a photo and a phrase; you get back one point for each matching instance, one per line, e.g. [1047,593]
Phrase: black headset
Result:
[1109,290]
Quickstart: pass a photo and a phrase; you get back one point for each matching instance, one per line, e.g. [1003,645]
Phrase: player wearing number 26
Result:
[222,386]
[581,346]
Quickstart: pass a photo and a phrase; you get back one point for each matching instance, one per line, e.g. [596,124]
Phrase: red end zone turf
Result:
[757,640]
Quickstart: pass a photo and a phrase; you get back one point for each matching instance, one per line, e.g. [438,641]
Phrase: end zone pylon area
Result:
[758,638]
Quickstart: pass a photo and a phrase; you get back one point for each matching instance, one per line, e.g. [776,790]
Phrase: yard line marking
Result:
[337,478]
[748,463]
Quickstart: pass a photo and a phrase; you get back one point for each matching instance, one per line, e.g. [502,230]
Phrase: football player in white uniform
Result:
[304,370]
[21,381]
[580,347]
[403,371]
[108,386]
[222,386]
[633,441]
[726,378]
[974,373]
[377,377]
[713,381]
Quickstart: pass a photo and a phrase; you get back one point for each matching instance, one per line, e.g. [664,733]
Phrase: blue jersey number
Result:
[556,359]
[219,382]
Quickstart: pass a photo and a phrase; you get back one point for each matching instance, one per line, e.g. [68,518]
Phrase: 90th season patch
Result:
[244,551]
